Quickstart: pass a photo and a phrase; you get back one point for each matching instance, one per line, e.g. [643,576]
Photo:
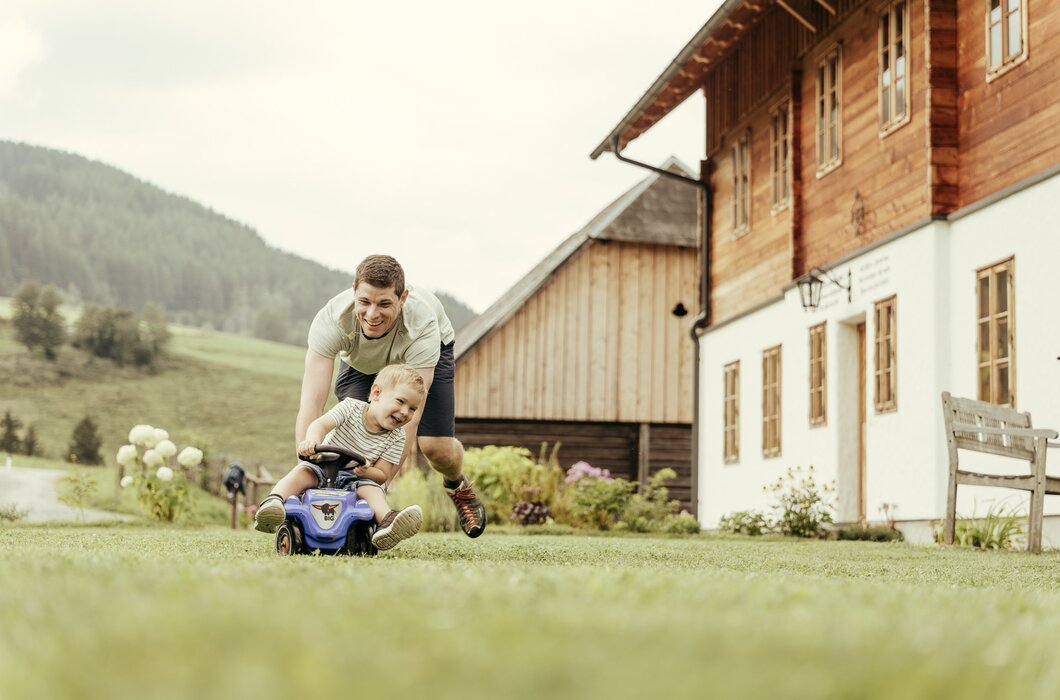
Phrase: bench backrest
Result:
[958,411]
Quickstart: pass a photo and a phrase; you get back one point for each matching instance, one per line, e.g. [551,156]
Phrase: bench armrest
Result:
[1047,433]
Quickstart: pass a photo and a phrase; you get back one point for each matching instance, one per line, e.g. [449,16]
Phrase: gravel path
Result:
[34,490]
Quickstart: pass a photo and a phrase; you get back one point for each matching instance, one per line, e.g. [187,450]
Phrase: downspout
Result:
[703,319]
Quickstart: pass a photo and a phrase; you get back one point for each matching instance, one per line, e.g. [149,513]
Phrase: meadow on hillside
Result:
[234,396]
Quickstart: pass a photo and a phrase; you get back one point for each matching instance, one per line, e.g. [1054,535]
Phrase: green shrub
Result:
[745,522]
[416,487]
[683,523]
[37,321]
[598,502]
[507,476]
[647,511]
[803,507]
[1000,528]
[11,512]
[75,489]
[869,533]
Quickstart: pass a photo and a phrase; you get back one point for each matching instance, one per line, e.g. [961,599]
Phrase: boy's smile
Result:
[377,309]
[392,408]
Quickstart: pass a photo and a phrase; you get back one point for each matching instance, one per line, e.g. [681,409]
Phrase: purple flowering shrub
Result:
[580,470]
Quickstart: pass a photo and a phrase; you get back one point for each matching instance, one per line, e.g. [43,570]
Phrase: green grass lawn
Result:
[122,611]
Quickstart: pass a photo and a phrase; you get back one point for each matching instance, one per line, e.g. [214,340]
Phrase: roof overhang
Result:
[685,74]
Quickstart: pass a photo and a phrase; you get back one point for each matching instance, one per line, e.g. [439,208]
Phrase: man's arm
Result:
[413,425]
[316,383]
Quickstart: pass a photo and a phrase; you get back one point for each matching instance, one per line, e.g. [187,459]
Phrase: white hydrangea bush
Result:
[147,465]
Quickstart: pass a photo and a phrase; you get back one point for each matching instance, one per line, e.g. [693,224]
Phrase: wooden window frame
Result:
[887,65]
[993,363]
[731,413]
[818,375]
[1007,63]
[771,401]
[780,117]
[831,96]
[885,397]
[741,184]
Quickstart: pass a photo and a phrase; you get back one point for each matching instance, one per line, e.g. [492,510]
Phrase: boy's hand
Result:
[307,448]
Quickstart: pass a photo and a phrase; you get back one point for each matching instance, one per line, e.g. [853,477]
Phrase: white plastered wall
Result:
[931,271]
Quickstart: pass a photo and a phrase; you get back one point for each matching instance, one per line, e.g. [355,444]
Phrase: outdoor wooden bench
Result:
[978,426]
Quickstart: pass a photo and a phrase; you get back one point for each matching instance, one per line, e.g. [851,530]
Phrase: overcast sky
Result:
[452,135]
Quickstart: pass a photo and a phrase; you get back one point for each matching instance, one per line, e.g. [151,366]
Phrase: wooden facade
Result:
[969,132]
[587,349]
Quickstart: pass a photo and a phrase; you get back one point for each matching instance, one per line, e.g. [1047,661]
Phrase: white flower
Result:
[159,436]
[126,481]
[140,434]
[166,448]
[164,474]
[127,455]
[190,457]
[152,458]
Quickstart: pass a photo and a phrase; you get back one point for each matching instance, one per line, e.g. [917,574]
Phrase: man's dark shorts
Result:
[438,414]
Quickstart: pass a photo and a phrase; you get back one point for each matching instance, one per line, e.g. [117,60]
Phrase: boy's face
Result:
[394,407]
[377,308]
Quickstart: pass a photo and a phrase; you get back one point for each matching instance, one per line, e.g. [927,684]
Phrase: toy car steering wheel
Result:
[335,457]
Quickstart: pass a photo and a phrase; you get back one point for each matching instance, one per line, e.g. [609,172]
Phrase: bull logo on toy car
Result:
[328,509]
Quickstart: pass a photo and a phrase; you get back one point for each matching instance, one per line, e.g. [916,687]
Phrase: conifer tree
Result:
[85,443]
[30,447]
[9,441]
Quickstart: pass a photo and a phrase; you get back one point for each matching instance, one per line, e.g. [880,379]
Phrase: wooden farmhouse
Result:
[591,348]
[898,161]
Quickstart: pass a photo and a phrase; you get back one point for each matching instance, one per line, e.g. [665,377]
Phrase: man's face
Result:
[377,309]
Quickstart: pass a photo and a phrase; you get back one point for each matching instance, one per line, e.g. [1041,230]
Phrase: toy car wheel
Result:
[289,539]
[359,540]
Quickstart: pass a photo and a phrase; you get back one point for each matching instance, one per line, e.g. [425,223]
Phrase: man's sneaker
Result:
[270,515]
[470,509]
[397,526]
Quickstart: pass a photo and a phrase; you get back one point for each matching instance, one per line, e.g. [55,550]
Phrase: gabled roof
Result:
[650,212]
[684,76]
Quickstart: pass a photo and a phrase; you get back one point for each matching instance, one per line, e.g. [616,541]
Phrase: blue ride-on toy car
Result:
[328,520]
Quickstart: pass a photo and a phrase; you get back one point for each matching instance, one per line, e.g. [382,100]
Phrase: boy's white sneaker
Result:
[397,526]
[270,515]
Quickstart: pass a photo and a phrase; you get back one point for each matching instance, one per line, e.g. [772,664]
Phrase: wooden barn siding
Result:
[671,446]
[1007,127]
[611,446]
[890,173]
[597,343]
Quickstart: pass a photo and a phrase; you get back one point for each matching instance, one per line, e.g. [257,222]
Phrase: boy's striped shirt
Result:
[352,434]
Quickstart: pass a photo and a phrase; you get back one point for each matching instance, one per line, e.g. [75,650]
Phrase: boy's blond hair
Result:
[394,375]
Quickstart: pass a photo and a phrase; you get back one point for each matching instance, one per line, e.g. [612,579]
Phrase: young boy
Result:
[373,429]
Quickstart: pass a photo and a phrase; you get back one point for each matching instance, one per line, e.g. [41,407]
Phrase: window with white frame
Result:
[741,184]
[893,68]
[886,357]
[732,412]
[771,402]
[996,336]
[780,155]
[1006,22]
[818,369]
[828,125]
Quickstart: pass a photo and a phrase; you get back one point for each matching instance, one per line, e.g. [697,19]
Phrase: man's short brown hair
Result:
[381,271]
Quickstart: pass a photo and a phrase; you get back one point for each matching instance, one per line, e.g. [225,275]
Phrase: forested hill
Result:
[99,234]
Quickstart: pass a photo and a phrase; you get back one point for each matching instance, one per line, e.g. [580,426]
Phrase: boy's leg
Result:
[437,439]
[271,513]
[393,525]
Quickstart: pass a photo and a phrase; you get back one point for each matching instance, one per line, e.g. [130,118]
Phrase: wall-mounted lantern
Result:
[810,286]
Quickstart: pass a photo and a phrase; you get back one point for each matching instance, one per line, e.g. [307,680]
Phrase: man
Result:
[378,322]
